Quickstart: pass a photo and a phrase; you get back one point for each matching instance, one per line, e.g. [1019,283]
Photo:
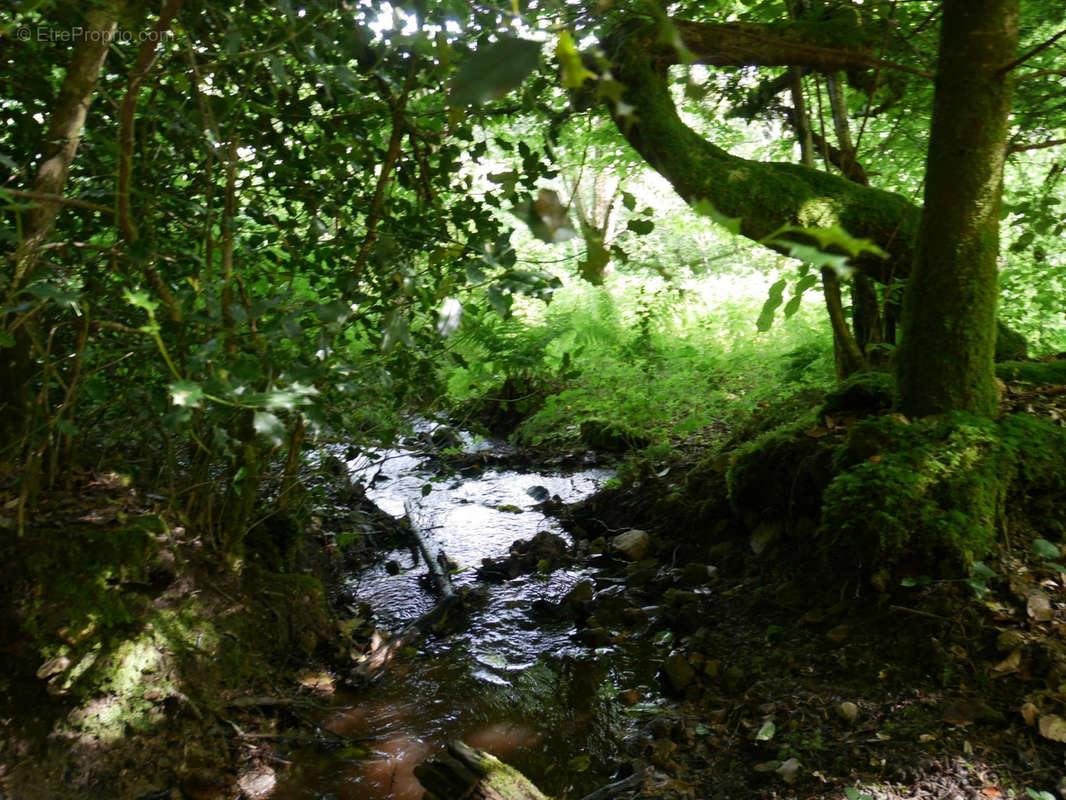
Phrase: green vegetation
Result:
[750,252]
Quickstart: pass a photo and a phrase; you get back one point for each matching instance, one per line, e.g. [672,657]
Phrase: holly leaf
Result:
[269,426]
[494,70]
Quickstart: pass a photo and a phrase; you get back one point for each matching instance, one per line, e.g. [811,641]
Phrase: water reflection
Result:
[522,691]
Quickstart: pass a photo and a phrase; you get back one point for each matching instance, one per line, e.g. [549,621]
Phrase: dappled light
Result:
[584,400]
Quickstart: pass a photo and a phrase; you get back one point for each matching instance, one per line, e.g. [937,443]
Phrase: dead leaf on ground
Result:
[1053,727]
[1030,713]
[1010,664]
[1038,605]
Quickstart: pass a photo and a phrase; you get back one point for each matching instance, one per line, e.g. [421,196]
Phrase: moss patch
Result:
[933,488]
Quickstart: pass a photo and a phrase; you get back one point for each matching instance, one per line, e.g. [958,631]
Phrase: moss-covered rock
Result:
[1040,373]
[1010,345]
[934,488]
[780,475]
[862,394]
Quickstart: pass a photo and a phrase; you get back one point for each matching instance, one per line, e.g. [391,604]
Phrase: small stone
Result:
[848,711]
[838,634]
[595,637]
[695,574]
[258,783]
[580,594]
[634,544]
[677,673]
[764,536]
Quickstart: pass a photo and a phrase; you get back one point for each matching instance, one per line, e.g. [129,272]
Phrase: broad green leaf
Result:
[6,339]
[982,569]
[708,209]
[1045,549]
[500,301]
[397,331]
[766,316]
[766,732]
[277,70]
[641,227]
[269,426]
[494,70]
[574,71]
[186,393]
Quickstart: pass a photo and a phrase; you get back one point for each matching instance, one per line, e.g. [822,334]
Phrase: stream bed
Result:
[522,689]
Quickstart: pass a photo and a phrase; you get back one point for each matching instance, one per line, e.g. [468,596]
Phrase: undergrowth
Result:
[654,361]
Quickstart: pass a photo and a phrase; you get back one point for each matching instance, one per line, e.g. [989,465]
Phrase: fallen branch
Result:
[368,670]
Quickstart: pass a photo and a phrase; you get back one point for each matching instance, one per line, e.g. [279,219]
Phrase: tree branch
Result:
[837,44]
[1018,148]
[765,196]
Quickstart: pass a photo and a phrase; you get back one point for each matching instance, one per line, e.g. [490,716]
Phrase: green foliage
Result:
[649,361]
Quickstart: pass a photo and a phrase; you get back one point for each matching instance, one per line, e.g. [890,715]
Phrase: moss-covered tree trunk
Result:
[945,359]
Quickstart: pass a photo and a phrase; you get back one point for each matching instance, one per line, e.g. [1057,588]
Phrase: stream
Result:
[524,690]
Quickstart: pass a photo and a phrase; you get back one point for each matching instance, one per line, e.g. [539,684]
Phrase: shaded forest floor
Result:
[136,665]
[795,675]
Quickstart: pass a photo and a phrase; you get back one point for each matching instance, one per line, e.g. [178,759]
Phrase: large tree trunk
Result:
[945,359]
[58,147]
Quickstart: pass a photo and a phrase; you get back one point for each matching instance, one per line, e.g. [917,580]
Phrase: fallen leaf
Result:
[1030,713]
[768,766]
[1053,727]
[992,792]
[1011,663]
[963,712]
[848,710]
[788,770]
[816,432]
[1038,605]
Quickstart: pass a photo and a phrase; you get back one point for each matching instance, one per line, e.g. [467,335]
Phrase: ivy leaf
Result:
[574,72]
[269,426]
[140,299]
[802,285]
[188,394]
[494,70]
[766,316]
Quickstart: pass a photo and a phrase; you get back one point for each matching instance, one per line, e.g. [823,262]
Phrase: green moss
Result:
[863,393]
[781,474]
[1040,373]
[934,489]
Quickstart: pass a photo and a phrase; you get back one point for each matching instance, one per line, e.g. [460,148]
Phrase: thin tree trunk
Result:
[59,148]
[945,359]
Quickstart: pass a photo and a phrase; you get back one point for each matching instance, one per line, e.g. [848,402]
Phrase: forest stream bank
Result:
[657,628]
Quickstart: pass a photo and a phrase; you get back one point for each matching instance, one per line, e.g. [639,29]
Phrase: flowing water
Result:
[522,690]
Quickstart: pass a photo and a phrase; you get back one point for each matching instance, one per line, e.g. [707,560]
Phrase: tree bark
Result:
[463,772]
[945,358]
